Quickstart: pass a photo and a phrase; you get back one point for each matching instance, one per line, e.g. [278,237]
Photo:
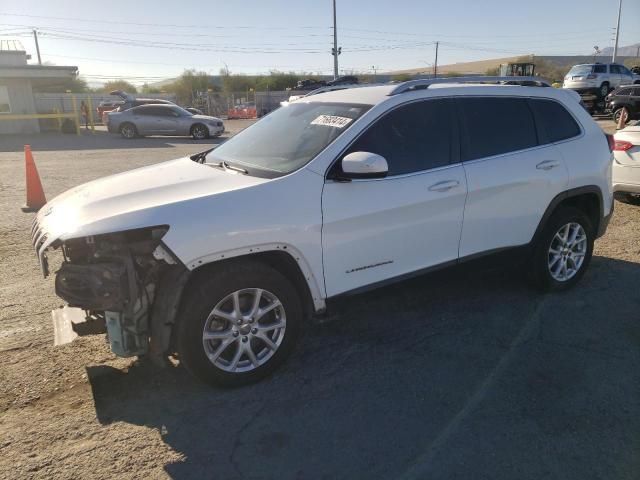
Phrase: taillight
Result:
[622,145]
[610,141]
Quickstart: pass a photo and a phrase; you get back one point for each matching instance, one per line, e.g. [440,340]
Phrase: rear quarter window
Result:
[554,122]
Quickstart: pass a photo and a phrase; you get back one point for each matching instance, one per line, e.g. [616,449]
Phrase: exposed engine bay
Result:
[116,278]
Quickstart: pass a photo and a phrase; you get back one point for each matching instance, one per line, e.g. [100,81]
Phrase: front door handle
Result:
[547,165]
[444,186]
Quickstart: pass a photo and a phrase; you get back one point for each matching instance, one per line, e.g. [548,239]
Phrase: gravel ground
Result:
[475,376]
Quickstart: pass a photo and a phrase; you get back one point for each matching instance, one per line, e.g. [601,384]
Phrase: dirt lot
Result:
[462,374]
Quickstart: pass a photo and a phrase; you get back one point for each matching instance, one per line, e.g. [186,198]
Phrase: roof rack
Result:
[426,82]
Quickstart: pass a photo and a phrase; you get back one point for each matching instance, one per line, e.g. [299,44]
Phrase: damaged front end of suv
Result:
[117,283]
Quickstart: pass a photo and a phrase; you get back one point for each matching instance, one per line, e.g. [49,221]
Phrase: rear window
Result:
[554,122]
[495,125]
[580,70]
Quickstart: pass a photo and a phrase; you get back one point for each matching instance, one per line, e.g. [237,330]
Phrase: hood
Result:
[205,117]
[135,199]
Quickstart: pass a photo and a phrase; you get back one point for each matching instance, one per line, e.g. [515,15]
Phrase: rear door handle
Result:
[444,185]
[547,165]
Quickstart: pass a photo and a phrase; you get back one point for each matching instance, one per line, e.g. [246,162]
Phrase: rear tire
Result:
[559,261]
[604,90]
[237,324]
[629,198]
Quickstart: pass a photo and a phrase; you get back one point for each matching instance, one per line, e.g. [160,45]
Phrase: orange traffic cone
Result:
[35,194]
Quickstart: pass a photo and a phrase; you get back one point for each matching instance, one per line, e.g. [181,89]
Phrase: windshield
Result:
[580,70]
[288,138]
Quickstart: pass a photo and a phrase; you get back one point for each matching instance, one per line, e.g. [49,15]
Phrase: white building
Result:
[17,78]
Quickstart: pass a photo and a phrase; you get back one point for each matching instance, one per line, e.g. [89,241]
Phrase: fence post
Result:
[90,107]
[75,113]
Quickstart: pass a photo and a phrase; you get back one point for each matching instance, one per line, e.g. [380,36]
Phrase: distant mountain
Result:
[627,51]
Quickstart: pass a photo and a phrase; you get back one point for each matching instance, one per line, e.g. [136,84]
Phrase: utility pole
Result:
[335,51]
[375,72]
[615,48]
[435,64]
[35,37]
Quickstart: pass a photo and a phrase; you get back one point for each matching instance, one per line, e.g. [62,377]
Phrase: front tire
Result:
[238,324]
[199,132]
[604,90]
[618,113]
[563,251]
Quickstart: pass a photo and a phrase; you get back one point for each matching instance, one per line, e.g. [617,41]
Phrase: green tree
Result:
[146,88]
[189,85]
[276,81]
[401,77]
[119,85]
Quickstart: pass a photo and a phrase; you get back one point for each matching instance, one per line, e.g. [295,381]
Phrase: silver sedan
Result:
[163,120]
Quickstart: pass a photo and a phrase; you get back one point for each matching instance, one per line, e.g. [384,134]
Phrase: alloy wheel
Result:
[567,251]
[128,131]
[244,330]
[199,132]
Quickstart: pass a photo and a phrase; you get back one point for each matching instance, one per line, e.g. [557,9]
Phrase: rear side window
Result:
[495,125]
[411,138]
[554,122]
[599,69]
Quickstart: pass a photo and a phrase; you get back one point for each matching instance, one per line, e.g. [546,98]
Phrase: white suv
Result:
[222,256]
[598,78]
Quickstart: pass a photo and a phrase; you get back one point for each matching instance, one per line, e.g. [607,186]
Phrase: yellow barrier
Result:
[35,116]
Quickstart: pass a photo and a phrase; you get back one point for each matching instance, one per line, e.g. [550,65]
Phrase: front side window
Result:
[288,138]
[495,126]
[5,105]
[412,138]
[555,123]
[615,69]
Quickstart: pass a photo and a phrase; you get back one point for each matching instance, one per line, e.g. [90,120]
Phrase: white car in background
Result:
[597,78]
[626,165]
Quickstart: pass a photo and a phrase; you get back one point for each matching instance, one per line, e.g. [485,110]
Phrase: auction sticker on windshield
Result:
[332,121]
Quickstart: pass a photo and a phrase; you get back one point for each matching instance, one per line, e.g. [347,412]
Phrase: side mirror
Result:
[364,165]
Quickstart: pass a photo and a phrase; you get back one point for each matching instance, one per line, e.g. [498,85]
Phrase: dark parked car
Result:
[344,80]
[625,98]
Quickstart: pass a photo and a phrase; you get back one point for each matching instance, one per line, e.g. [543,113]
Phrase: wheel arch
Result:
[588,199]
[283,257]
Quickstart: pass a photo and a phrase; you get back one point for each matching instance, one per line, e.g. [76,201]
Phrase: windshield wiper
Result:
[200,157]
[226,165]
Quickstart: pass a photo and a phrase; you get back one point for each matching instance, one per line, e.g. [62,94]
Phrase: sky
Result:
[146,41]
